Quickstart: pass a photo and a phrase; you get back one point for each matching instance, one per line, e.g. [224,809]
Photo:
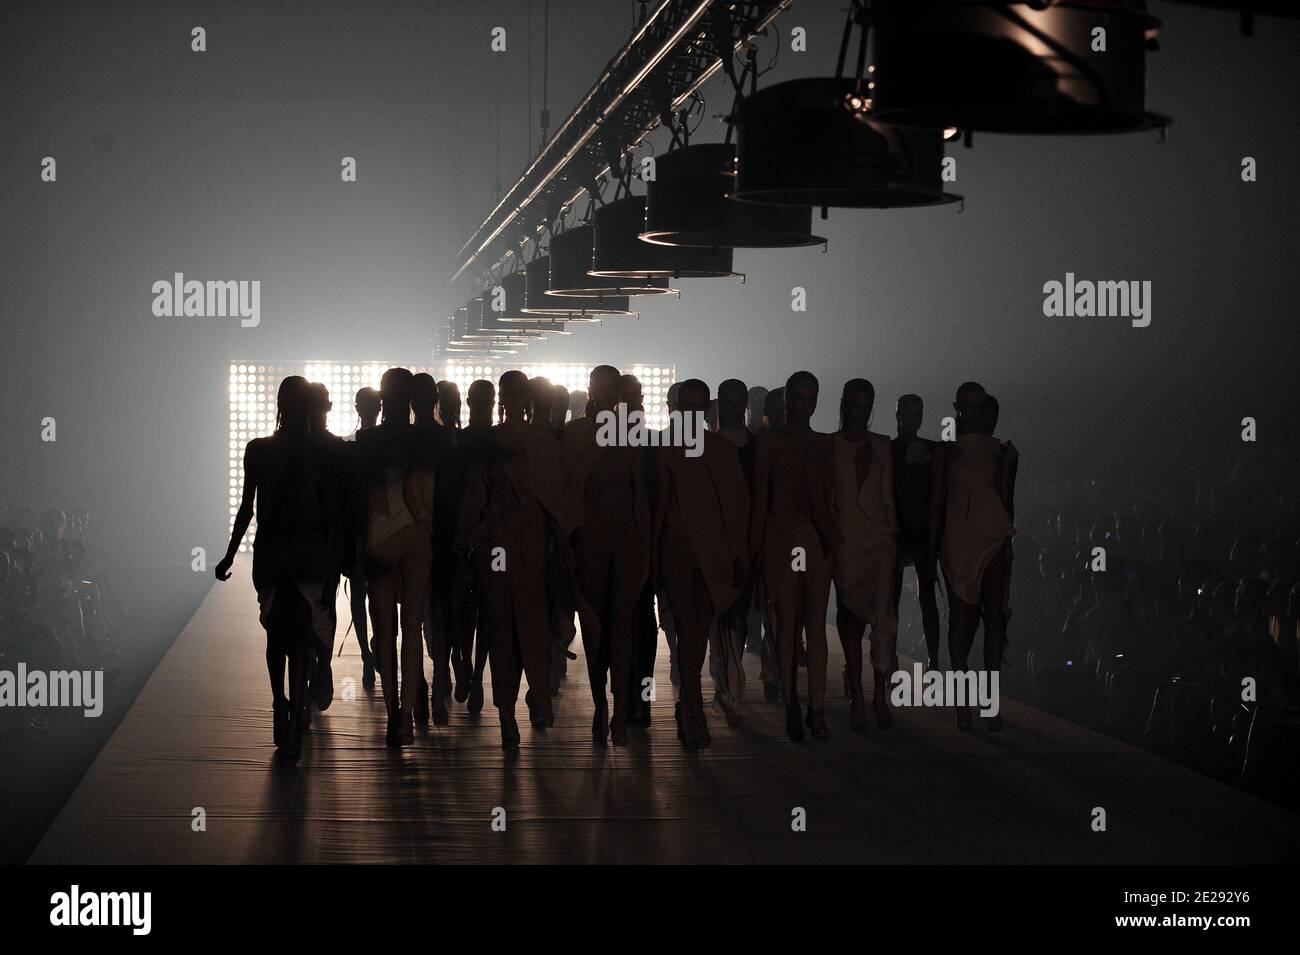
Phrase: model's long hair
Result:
[852,388]
[293,406]
[513,382]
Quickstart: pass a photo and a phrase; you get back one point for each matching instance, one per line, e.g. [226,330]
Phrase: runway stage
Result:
[200,736]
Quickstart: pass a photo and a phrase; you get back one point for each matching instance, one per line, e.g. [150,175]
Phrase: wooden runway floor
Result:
[199,736]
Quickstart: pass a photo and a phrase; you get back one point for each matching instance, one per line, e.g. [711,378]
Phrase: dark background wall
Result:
[225,165]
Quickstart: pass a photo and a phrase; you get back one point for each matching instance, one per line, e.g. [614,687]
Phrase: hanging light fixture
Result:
[504,323]
[620,251]
[1073,66]
[477,309]
[539,301]
[465,339]
[572,253]
[689,203]
[814,142]
[515,288]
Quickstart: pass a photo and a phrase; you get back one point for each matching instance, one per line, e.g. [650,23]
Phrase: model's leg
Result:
[816,588]
[626,577]
[851,630]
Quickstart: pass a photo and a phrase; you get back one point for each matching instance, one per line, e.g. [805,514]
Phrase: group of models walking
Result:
[483,542]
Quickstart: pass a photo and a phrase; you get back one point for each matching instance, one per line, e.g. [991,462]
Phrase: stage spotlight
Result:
[1078,66]
[512,315]
[620,250]
[539,301]
[689,203]
[572,253]
[480,320]
[814,142]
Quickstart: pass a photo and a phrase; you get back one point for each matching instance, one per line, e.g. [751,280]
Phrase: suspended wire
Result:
[496,159]
[546,70]
[530,79]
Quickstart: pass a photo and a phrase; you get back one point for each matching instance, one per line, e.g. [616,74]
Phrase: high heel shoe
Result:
[400,731]
[858,716]
[600,723]
[422,703]
[324,684]
[292,746]
[816,720]
[684,734]
[438,710]
[280,721]
[793,723]
[368,673]
[509,732]
[618,731]
[702,739]
[540,715]
[475,704]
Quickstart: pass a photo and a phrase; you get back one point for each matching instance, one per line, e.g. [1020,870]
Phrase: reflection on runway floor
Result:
[199,738]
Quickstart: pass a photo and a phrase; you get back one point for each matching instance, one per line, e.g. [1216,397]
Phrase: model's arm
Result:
[243,517]
[758,507]
[938,480]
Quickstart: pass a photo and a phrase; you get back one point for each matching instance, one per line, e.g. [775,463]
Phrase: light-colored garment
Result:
[383,524]
[867,552]
[976,524]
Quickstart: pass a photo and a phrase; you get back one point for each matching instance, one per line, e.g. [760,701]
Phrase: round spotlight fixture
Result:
[814,142]
[531,326]
[621,252]
[689,203]
[572,255]
[539,301]
[1074,66]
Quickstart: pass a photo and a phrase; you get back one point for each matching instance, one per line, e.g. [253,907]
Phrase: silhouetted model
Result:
[293,482]
[701,538]
[512,504]
[729,635]
[437,636]
[608,517]
[666,623]
[866,551]
[367,406]
[320,671]
[396,475]
[446,512]
[467,595]
[791,537]
[773,416]
[446,504]
[972,491]
[913,459]
[559,587]
[645,626]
